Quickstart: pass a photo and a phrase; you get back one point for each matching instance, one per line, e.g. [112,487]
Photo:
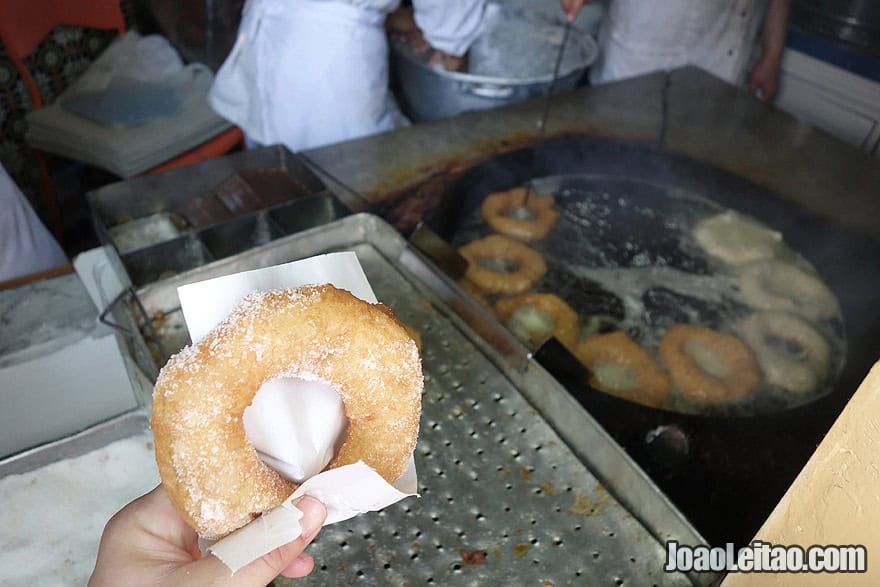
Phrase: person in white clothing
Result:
[26,246]
[306,73]
[720,36]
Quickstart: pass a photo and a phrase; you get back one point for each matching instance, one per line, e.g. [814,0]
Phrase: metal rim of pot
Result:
[473,80]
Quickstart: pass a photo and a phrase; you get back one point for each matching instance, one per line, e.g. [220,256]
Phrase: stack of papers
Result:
[127,121]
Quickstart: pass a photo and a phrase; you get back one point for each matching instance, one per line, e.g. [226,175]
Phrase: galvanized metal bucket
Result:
[511,60]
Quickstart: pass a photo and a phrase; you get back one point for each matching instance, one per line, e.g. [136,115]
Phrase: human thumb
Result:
[211,571]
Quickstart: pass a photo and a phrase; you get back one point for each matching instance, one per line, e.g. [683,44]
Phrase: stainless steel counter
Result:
[687,112]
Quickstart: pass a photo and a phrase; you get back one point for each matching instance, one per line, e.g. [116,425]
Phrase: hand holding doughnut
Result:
[211,471]
[149,543]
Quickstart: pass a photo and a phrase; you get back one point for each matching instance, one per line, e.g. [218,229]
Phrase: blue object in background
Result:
[125,102]
[842,55]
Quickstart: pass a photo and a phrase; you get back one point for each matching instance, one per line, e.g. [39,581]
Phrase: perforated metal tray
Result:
[518,484]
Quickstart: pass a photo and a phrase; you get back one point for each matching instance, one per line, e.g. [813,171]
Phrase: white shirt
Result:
[641,36]
[306,73]
[25,245]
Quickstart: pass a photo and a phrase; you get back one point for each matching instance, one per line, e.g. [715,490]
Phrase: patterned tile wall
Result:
[59,59]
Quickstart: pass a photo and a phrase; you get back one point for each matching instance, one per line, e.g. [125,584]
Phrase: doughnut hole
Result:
[598,324]
[615,377]
[499,264]
[707,359]
[787,347]
[520,213]
[531,325]
[296,425]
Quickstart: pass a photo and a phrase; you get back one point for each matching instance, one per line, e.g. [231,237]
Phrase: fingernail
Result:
[314,514]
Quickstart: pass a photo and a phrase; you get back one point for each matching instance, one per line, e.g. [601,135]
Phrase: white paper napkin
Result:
[294,423]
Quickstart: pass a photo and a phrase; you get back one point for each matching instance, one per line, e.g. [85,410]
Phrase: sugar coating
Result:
[211,470]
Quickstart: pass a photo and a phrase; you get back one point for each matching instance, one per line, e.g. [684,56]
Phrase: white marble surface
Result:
[53,311]
[61,371]
[51,518]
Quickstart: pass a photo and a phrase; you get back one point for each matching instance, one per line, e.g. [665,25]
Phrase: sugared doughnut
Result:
[534,317]
[783,287]
[509,214]
[415,335]
[621,367]
[209,468]
[709,366]
[792,355]
[498,264]
[736,239]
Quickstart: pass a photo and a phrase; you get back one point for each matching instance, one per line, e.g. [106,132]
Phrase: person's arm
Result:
[764,78]
[402,27]
[449,27]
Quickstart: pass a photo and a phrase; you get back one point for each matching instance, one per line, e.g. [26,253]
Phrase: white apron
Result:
[641,36]
[25,245]
[306,73]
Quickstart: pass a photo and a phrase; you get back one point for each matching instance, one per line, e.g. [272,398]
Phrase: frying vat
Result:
[725,473]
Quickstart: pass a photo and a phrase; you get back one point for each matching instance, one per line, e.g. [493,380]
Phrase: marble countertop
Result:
[54,311]
[63,374]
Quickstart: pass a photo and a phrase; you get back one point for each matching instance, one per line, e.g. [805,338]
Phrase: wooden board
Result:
[836,497]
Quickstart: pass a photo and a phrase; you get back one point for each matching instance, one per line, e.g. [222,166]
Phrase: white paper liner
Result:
[310,411]
[288,423]
[205,304]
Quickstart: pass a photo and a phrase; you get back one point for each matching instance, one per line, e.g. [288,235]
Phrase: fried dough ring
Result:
[792,354]
[530,264]
[496,208]
[736,239]
[564,320]
[777,285]
[208,466]
[708,366]
[642,380]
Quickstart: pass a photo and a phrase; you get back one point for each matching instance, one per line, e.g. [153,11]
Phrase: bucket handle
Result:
[484,90]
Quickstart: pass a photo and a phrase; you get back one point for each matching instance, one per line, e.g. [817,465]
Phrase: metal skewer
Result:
[543,122]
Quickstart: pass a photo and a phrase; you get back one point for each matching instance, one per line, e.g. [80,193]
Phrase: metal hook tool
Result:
[543,122]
